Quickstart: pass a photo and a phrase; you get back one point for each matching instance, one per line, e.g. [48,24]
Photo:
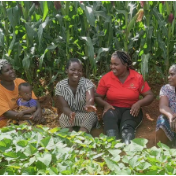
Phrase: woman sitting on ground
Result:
[122,107]
[166,122]
[9,95]
[75,97]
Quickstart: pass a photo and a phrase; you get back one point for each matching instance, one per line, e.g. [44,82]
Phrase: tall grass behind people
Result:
[118,92]
[9,95]
[75,97]
[166,122]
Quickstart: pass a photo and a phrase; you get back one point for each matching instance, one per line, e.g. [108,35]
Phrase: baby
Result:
[25,101]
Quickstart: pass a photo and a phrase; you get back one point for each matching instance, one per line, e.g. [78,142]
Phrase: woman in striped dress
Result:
[75,97]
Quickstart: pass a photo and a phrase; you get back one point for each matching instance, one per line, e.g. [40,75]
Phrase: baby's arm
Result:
[27,111]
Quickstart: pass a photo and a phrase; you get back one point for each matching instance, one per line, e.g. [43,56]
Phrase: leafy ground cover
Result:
[40,150]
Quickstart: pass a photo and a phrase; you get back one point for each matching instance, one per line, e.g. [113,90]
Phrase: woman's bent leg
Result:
[161,137]
[129,124]
[164,133]
[110,119]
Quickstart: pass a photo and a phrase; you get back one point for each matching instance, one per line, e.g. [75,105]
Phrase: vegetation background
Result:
[38,37]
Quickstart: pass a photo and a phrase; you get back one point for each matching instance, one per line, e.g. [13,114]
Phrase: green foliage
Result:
[40,150]
[39,37]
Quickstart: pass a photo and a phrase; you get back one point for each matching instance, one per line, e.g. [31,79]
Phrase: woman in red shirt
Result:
[122,107]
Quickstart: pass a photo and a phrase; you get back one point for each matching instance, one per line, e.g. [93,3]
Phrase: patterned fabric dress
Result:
[162,121]
[76,103]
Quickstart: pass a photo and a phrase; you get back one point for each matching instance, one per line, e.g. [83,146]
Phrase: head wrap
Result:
[2,63]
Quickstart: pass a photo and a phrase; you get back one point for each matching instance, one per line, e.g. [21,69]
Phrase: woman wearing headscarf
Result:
[122,87]
[166,122]
[9,95]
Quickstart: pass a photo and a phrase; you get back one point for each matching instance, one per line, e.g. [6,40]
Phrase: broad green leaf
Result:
[90,15]
[140,141]
[163,146]
[22,143]
[1,38]
[144,64]
[112,165]
[30,32]
[45,159]
[47,142]
[13,16]
[135,161]
[28,171]
[119,145]
[90,49]
[26,61]
[53,130]
[45,9]
[10,154]
[52,171]
[40,30]
[12,44]
[30,150]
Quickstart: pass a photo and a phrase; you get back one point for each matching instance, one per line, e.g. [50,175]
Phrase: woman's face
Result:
[172,77]
[7,73]
[74,71]
[117,67]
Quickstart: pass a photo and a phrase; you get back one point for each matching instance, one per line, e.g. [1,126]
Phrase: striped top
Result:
[77,102]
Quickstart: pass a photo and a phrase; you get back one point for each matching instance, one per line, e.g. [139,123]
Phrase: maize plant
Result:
[39,37]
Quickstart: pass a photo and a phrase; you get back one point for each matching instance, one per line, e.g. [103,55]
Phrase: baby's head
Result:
[25,91]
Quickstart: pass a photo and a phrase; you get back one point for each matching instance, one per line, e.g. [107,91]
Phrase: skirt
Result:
[163,123]
[82,119]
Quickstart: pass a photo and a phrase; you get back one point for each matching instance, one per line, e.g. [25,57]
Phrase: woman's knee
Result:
[160,136]
[110,115]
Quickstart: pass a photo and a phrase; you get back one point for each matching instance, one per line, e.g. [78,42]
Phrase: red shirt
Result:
[122,94]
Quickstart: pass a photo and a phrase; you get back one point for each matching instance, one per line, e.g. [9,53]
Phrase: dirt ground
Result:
[145,130]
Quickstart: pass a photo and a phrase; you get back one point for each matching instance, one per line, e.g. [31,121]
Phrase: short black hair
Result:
[26,84]
[72,60]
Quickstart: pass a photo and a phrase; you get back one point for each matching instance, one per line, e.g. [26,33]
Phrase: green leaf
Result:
[12,44]
[45,141]
[26,61]
[22,143]
[112,165]
[134,161]
[45,159]
[52,171]
[10,154]
[13,16]
[30,32]
[45,9]
[144,64]
[140,141]
[163,146]
[1,38]
[28,171]
[30,150]
[90,15]
[40,31]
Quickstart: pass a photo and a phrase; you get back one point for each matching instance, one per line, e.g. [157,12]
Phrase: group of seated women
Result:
[122,92]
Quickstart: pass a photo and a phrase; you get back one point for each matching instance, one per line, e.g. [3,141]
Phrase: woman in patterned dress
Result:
[75,97]
[166,122]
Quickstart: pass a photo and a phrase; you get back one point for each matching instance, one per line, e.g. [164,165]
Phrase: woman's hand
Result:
[90,108]
[172,121]
[72,117]
[107,107]
[135,108]
[37,116]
